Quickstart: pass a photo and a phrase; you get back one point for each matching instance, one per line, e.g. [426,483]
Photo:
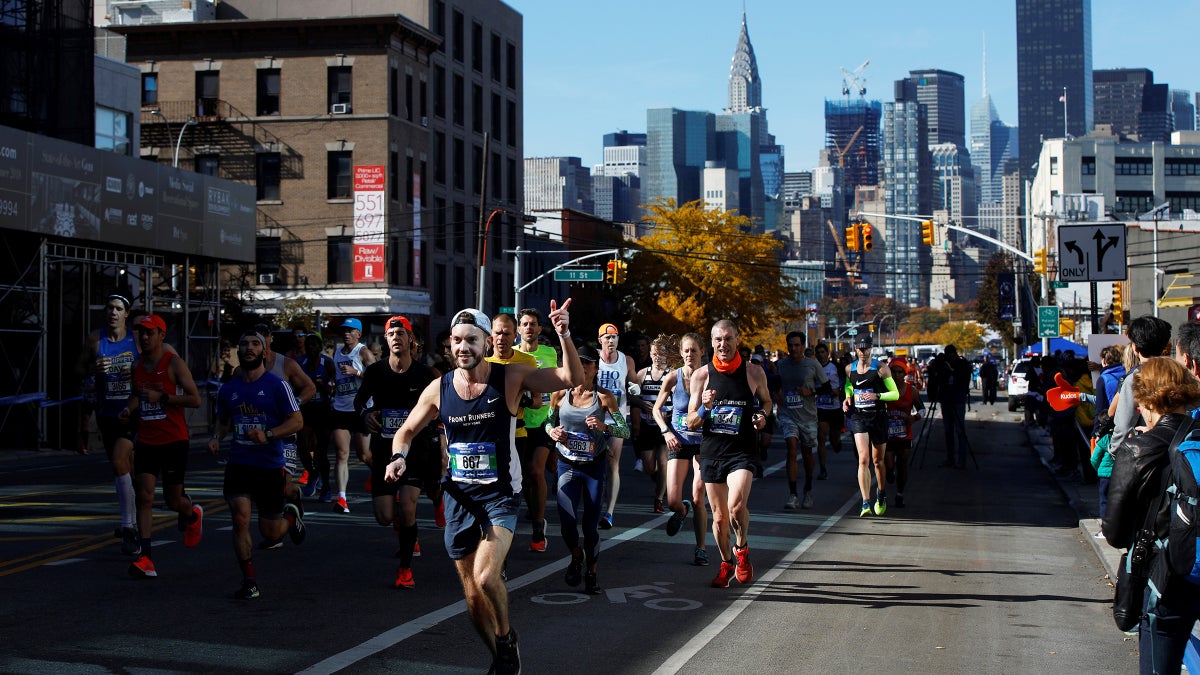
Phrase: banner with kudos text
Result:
[370,200]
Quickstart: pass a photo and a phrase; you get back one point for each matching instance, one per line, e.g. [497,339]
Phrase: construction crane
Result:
[855,80]
[849,144]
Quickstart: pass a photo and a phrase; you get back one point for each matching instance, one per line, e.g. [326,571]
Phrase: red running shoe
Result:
[745,571]
[404,578]
[439,514]
[142,568]
[724,575]
[195,529]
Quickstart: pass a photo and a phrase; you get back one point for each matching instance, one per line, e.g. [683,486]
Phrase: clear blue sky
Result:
[596,67]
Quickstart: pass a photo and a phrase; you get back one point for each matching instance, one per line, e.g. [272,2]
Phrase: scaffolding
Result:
[843,122]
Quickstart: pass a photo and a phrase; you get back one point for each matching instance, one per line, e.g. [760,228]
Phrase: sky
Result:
[592,68]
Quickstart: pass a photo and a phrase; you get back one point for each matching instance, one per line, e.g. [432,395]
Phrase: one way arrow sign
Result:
[1092,252]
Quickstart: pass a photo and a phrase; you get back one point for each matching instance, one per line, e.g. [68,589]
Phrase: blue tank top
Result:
[316,372]
[117,385]
[481,436]
[680,399]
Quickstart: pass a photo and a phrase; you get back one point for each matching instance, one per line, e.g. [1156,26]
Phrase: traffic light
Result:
[620,272]
[867,230]
[928,237]
[1066,327]
[1039,261]
[1117,303]
[852,236]
[610,272]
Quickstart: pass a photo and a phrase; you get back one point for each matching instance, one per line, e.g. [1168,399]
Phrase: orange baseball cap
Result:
[609,329]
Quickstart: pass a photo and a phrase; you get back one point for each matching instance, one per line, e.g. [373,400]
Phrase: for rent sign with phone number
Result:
[370,203]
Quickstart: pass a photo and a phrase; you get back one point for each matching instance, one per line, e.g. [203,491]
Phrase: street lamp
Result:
[1156,213]
[191,122]
[483,239]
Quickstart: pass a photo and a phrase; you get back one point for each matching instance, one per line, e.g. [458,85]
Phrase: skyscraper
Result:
[678,143]
[1182,110]
[745,87]
[907,182]
[852,136]
[1130,101]
[941,92]
[555,183]
[1054,60]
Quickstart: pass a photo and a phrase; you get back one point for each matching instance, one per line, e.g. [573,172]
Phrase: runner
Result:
[537,446]
[504,334]
[581,437]
[349,364]
[868,421]
[478,403]
[108,356]
[722,402]
[683,446]
[649,443]
[314,439]
[830,418]
[616,375]
[901,417]
[393,385]
[260,409]
[800,378]
[162,388]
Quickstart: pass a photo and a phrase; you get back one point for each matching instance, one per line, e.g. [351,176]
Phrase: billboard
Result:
[61,189]
[370,200]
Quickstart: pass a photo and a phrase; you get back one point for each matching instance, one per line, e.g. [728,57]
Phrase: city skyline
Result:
[679,54]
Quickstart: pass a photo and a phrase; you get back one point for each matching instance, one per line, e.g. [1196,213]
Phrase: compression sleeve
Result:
[849,388]
[618,428]
[892,393]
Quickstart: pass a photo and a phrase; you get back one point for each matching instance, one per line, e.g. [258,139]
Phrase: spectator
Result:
[989,377]
[949,384]
[1149,336]
[1111,373]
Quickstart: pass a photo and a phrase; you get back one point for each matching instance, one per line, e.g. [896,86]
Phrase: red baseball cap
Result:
[150,322]
[399,320]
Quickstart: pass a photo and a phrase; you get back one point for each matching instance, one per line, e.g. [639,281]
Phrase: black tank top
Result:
[870,381]
[728,427]
[480,433]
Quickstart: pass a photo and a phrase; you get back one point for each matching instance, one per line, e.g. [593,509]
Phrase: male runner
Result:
[349,364]
[617,372]
[393,385]
[537,445]
[722,403]
[478,403]
[800,377]
[109,355]
[314,438]
[830,418]
[867,391]
[260,410]
[902,413]
[162,388]
[649,442]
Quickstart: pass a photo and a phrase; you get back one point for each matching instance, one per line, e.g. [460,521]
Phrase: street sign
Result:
[1059,284]
[1048,321]
[508,310]
[1092,252]
[579,275]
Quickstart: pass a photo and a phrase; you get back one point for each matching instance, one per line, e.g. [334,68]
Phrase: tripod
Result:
[923,439]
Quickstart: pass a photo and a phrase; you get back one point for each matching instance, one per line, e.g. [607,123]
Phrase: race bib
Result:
[578,447]
[346,385]
[291,456]
[151,412]
[244,424]
[861,402]
[473,463]
[726,419]
[390,421]
[793,399]
[897,427]
[824,400]
[686,435]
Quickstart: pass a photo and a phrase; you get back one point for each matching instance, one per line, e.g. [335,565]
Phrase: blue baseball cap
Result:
[352,323]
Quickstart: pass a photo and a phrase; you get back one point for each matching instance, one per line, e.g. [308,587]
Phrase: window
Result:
[439,23]
[458,35]
[458,165]
[439,92]
[149,88]
[510,58]
[1182,166]
[439,281]
[476,168]
[511,175]
[421,98]
[339,266]
[496,118]
[1133,201]
[459,229]
[112,131]
[439,224]
[439,158]
[477,108]
[268,91]
[511,119]
[208,165]
[1053,166]
[460,287]
[394,175]
[424,192]
[1087,166]
[340,175]
[1183,200]
[497,177]
[1134,166]
[409,108]
[267,174]
[339,85]
[476,47]
[496,58]
[408,179]
[393,95]
[267,254]
[457,104]
[208,92]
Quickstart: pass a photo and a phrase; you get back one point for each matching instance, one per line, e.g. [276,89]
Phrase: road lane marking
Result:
[700,640]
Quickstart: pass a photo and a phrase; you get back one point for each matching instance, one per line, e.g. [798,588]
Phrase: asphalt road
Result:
[984,571]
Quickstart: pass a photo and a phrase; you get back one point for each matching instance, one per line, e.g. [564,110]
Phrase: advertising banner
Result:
[370,200]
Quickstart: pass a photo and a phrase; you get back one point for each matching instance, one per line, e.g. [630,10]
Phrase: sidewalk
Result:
[1083,498]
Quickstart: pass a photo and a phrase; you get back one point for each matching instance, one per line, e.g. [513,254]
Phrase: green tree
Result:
[297,312]
[698,265]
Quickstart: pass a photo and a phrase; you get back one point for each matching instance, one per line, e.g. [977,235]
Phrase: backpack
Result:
[1183,491]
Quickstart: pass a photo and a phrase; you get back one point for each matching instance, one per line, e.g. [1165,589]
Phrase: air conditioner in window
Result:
[424,121]
[266,279]
[340,109]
